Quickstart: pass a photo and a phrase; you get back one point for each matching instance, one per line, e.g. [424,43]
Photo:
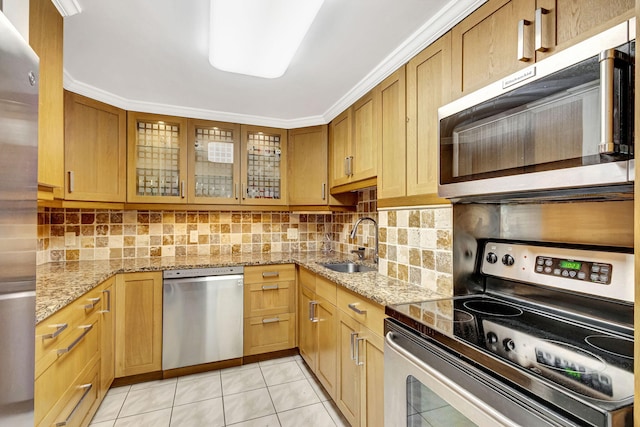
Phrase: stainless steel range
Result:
[539,333]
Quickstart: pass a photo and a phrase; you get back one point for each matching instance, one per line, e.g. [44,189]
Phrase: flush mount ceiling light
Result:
[258,37]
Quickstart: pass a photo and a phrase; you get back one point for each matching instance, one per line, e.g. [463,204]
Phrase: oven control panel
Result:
[593,272]
[596,272]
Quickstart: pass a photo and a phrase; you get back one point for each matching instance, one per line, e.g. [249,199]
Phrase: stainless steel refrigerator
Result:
[18,224]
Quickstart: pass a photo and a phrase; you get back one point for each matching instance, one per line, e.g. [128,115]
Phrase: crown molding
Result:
[98,94]
[438,25]
[447,17]
[67,7]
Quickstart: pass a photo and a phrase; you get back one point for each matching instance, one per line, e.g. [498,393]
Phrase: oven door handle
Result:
[470,397]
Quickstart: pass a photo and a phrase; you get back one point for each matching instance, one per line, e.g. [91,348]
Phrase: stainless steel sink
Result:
[348,267]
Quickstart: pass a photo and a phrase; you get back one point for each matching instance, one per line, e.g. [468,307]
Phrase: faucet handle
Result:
[360,252]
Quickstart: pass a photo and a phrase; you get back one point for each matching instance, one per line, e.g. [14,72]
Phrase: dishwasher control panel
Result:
[202,272]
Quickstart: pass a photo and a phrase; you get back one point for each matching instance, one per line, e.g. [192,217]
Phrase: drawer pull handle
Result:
[353,307]
[59,328]
[270,274]
[108,292]
[357,355]
[270,320]
[92,303]
[87,388]
[87,329]
[270,287]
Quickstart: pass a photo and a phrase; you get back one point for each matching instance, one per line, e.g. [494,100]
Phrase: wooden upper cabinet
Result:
[213,149]
[46,39]
[95,150]
[157,158]
[340,148]
[353,142]
[392,157]
[576,20]
[485,45]
[264,166]
[364,147]
[308,156]
[428,88]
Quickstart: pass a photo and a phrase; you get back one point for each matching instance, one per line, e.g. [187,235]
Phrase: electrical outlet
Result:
[292,234]
[193,236]
[70,238]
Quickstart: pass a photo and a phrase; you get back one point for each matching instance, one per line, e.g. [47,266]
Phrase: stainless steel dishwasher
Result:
[202,316]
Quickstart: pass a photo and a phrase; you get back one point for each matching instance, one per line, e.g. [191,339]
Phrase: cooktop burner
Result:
[622,347]
[493,308]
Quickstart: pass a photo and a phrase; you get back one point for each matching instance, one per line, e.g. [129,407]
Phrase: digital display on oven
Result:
[573,265]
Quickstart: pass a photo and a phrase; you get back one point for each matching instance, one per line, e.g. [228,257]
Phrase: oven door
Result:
[427,386]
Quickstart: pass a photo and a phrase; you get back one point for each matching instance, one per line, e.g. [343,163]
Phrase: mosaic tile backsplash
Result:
[415,245]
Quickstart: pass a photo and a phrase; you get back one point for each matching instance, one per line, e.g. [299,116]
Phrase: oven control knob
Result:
[508,344]
[492,258]
[492,338]
[508,260]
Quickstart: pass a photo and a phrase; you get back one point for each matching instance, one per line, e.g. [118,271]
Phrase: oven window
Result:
[425,408]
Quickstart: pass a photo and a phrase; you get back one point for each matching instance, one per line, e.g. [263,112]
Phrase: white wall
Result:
[18,13]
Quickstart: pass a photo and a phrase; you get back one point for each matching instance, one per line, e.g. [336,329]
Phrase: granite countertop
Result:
[60,283]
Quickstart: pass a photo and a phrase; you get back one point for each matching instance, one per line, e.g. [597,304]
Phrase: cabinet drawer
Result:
[365,311]
[269,273]
[263,299]
[272,333]
[57,331]
[79,402]
[51,386]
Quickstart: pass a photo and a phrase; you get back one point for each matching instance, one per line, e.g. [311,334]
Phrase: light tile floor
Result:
[280,392]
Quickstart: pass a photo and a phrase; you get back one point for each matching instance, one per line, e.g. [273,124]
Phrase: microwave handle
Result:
[608,59]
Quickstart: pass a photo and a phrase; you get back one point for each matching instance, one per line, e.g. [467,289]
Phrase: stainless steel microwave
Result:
[564,123]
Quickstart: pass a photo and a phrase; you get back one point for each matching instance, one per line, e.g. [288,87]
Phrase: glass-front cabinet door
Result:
[264,166]
[214,162]
[157,160]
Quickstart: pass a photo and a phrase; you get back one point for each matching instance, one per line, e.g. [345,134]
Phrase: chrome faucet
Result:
[355,227]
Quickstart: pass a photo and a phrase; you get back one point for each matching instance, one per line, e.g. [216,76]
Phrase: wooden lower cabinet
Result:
[348,392]
[138,333]
[107,336]
[343,349]
[68,383]
[269,308]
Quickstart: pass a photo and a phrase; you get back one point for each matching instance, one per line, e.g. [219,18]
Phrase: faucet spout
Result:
[355,229]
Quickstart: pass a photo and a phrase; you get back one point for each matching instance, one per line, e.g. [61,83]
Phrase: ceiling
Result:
[155,59]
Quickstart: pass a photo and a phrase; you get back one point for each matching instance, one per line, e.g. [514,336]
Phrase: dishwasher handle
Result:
[238,277]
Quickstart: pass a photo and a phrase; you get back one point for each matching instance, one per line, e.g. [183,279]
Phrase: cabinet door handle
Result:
[235,191]
[350,165]
[352,355]
[270,287]
[524,54]
[353,307]
[244,190]
[541,42]
[59,328]
[346,166]
[182,189]
[312,311]
[87,329]
[108,292]
[324,191]
[271,320]
[87,388]
[267,274]
[92,303]
[71,181]
[357,355]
